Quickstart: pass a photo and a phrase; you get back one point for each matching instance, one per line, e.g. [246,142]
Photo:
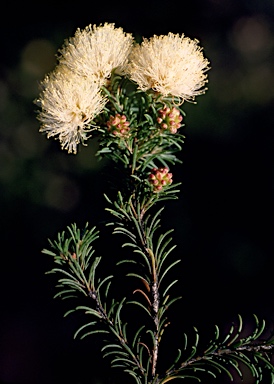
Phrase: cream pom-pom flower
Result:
[96,51]
[68,104]
[170,65]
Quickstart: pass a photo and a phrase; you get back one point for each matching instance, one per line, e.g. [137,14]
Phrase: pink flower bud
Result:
[169,119]
[160,178]
[118,125]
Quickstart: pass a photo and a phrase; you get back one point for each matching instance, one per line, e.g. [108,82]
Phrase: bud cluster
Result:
[118,125]
[159,178]
[169,119]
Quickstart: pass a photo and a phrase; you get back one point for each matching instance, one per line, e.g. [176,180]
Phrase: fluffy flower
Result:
[96,51]
[170,65]
[68,103]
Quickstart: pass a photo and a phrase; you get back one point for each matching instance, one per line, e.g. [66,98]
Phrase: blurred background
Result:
[223,220]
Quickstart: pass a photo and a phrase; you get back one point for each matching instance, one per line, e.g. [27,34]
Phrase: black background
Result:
[223,221]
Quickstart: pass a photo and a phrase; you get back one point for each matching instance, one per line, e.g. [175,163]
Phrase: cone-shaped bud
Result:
[169,119]
[118,125]
[160,178]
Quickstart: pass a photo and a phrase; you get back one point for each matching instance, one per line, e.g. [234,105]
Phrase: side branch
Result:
[243,354]
[119,335]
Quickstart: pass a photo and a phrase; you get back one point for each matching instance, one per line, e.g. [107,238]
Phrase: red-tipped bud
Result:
[169,119]
[159,178]
[118,125]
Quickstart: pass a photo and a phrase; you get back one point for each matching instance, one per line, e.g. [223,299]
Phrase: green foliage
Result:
[146,142]
[135,347]
[227,354]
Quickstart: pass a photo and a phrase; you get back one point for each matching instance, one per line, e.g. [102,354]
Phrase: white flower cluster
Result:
[170,65]
[68,105]
[71,95]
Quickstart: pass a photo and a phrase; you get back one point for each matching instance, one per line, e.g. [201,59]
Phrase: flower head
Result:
[68,104]
[170,65]
[96,51]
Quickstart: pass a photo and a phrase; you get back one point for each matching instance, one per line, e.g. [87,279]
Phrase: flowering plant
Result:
[129,96]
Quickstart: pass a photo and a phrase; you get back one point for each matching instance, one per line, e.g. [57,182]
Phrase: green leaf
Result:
[183,376]
[83,327]
[141,305]
[175,361]
[89,311]
[93,332]
[169,286]
[137,334]
[168,269]
[91,277]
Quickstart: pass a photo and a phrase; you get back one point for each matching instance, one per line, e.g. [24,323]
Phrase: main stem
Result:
[155,309]
[154,288]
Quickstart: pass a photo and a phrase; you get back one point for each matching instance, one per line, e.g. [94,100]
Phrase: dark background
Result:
[223,220]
